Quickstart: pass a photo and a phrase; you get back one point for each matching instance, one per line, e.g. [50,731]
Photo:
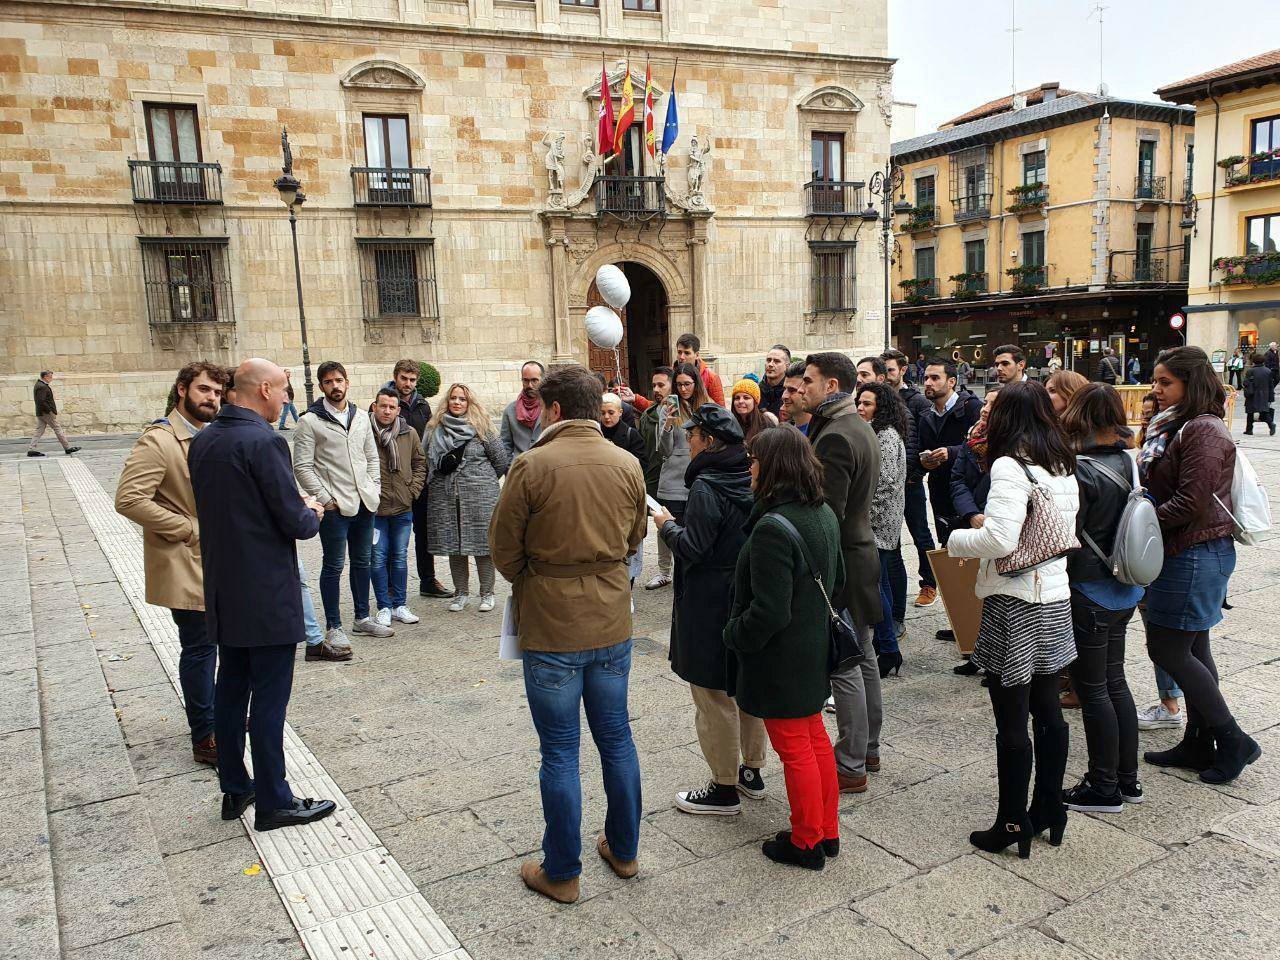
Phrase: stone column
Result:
[698,284]
[558,254]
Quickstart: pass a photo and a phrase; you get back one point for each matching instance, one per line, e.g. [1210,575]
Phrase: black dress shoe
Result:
[947,636]
[235,804]
[966,669]
[434,589]
[302,811]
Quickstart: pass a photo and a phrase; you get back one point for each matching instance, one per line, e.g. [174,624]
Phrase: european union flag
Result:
[671,126]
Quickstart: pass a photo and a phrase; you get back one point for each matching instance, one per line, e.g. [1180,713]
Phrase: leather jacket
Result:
[1102,501]
[1199,461]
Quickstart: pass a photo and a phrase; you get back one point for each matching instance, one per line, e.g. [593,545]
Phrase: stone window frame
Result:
[830,108]
[387,88]
[918,175]
[1034,146]
[142,97]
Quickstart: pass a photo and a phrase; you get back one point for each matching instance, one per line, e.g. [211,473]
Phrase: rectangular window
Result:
[1148,186]
[579,3]
[834,288]
[1184,269]
[1262,234]
[1033,168]
[649,6]
[925,263]
[827,154]
[1033,249]
[975,256]
[926,193]
[173,140]
[1187,192]
[386,141]
[398,279]
[971,183]
[1265,138]
[1143,266]
[186,281]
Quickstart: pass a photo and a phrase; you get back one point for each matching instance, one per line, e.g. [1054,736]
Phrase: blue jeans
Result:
[284,414]
[917,516]
[897,583]
[339,536]
[886,635]
[196,666]
[390,572]
[555,684]
[1166,685]
[315,635]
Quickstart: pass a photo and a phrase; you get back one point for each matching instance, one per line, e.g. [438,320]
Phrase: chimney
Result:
[1019,101]
[1049,92]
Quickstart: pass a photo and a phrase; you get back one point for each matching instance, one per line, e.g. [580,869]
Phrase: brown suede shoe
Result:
[536,879]
[205,751]
[626,869]
[873,764]
[324,650]
[852,784]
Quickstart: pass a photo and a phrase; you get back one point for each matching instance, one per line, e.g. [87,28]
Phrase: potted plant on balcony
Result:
[1259,167]
[1027,278]
[921,218]
[1252,269]
[918,290]
[1028,198]
[968,285]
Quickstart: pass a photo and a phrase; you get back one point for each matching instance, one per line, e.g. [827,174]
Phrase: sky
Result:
[954,55]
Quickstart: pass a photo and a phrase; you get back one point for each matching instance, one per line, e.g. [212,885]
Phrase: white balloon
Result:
[613,286]
[604,327]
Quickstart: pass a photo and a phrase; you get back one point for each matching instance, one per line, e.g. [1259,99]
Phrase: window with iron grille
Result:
[398,279]
[186,280]
[834,277]
[971,183]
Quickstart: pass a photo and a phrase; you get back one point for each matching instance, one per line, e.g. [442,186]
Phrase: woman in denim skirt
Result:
[1187,463]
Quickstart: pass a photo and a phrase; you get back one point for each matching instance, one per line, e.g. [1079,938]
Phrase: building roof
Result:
[1004,104]
[1252,72]
[1058,112]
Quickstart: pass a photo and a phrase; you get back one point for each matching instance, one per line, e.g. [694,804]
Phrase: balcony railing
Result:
[1028,278]
[1239,171]
[1029,198]
[631,198]
[1148,187]
[973,207]
[922,217]
[919,289]
[833,198]
[391,186]
[1148,265]
[1251,269]
[968,286]
[165,181]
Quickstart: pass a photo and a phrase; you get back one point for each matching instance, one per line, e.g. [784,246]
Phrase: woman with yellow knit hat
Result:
[746,409]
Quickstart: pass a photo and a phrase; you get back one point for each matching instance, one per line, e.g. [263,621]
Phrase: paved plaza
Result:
[112,846]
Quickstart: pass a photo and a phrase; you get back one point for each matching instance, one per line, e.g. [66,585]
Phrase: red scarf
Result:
[528,410]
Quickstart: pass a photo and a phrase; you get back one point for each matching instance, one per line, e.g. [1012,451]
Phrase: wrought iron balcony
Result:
[1148,187]
[976,206]
[1251,269]
[968,286]
[167,181]
[1028,278]
[1030,198]
[631,198]
[833,198]
[919,289]
[1129,268]
[391,186]
[922,217]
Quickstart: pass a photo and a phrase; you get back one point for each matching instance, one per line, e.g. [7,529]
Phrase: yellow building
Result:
[1234,291]
[1051,219]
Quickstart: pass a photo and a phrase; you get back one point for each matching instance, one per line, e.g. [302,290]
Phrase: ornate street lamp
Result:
[884,184]
[292,196]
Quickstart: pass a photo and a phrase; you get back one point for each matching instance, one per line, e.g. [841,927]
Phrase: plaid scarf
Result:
[977,442]
[386,437]
[1156,440]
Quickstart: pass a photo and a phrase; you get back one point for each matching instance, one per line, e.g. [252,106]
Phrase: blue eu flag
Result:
[671,126]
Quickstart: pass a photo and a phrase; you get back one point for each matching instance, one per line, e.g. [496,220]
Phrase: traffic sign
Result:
[1177,322]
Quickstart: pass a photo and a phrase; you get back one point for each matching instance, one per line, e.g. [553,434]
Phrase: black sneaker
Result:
[71,450]
[966,669]
[1086,798]
[34,453]
[1132,792]
[946,636]
[715,800]
[750,783]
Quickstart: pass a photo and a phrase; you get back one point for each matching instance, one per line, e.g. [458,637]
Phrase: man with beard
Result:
[941,434]
[522,420]
[917,511]
[793,410]
[155,492]
[773,386]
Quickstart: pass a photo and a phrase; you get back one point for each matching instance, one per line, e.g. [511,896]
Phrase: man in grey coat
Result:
[522,420]
[850,456]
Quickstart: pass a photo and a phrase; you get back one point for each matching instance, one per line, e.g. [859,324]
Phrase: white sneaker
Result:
[337,637]
[401,614]
[372,628]
[830,705]
[1158,717]
[486,603]
[459,603]
[658,582]
[384,616]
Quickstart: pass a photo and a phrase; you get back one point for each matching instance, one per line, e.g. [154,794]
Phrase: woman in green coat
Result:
[778,636]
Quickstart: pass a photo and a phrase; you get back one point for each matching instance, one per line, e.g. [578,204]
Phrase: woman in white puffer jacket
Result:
[1025,638]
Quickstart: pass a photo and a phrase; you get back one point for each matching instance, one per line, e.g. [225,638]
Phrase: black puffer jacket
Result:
[1102,501]
[706,550]
[627,437]
[916,402]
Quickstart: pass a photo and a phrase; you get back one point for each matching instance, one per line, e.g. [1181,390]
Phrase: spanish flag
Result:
[649,142]
[626,113]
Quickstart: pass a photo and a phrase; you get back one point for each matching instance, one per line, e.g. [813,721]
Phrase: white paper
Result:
[654,505]
[509,640]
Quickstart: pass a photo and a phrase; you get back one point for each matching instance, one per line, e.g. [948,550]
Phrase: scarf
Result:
[528,410]
[977,442]
[448,433]
[827,405]
[1156,439]
[386,437]
[730,459]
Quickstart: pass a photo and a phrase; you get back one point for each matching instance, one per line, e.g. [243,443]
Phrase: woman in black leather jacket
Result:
[1102,606]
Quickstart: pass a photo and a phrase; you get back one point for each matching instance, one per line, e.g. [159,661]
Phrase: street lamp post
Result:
[884,184]
[292,196]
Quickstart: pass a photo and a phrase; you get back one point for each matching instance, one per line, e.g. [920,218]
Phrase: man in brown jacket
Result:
[571,511]
[155,492]
[403,468]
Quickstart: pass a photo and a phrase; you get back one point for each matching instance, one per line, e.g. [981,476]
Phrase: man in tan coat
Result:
[155,492]
[570,513]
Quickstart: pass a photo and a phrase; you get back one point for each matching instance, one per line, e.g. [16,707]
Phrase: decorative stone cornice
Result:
[831,98]
[381,75]
[591,91]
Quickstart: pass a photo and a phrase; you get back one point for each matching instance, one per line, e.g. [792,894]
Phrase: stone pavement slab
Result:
[832,933]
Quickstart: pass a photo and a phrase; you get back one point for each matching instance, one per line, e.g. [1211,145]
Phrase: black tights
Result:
[1185,656]
[1011,705]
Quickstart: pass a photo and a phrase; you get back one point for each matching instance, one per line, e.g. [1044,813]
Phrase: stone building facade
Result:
[139,143]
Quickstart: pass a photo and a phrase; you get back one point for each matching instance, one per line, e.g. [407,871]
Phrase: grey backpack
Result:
[1137,555]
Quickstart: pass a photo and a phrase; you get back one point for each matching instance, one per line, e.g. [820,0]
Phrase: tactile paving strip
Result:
[344,892]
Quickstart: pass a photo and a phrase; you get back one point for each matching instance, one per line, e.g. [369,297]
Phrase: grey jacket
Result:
[673,450]
[336,462]
[515,437]
[460,504]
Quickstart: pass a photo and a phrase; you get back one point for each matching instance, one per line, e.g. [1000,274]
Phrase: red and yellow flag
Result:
[626,112]
[649,143]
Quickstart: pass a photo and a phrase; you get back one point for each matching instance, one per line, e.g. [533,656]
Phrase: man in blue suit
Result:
[251,515]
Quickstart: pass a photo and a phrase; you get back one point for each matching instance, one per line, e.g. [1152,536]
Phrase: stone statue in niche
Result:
[697,172]
[554,163]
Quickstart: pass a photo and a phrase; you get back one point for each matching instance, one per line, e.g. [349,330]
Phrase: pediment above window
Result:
[381,75]
[592,90]
[831,99]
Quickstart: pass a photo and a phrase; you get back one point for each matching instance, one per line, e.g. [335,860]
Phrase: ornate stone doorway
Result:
[645,323]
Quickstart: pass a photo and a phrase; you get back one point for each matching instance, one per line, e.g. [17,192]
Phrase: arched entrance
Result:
[646,340]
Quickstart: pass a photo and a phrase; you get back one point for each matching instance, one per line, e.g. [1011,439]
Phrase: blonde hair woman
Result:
[465,460]
[1062,386]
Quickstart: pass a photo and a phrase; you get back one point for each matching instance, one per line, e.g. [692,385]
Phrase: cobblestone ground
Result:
[111,843]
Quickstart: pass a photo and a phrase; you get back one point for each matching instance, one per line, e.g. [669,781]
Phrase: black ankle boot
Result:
[781,850]
[1233,751]
[1195,752]
[1048,812]
[1012,823]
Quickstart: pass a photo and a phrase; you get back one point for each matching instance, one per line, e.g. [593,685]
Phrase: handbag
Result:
[1045,535]
[451,460]
[843,645]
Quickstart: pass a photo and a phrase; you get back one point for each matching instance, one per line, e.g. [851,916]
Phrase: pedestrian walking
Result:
[1235,369]
[154,491]
[747,411]
[1272,361]
[465,460]
[673,449]
[917,508]
[1133,370]
[942,431]
[1259,395]
[1109,367]
[1025,636]
[250,516]
[336,461]
[402,475]
[706,544]
[522,419]
[778,638]
[289,408]
[1187,463]
[47,416]
[571,511]
[850,457]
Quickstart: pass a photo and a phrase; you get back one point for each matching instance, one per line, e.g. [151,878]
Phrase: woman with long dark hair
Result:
[1187,463]
[1025,635]
[880,406]
[1101,606]
[745,404]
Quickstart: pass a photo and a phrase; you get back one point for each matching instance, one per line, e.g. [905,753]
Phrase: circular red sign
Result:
[1177,321]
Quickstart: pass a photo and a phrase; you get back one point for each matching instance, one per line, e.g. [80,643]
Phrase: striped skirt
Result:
[1017,639]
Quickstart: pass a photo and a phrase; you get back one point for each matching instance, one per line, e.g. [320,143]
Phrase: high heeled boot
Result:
[1233,750]
[1048,812]
[1013,767]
